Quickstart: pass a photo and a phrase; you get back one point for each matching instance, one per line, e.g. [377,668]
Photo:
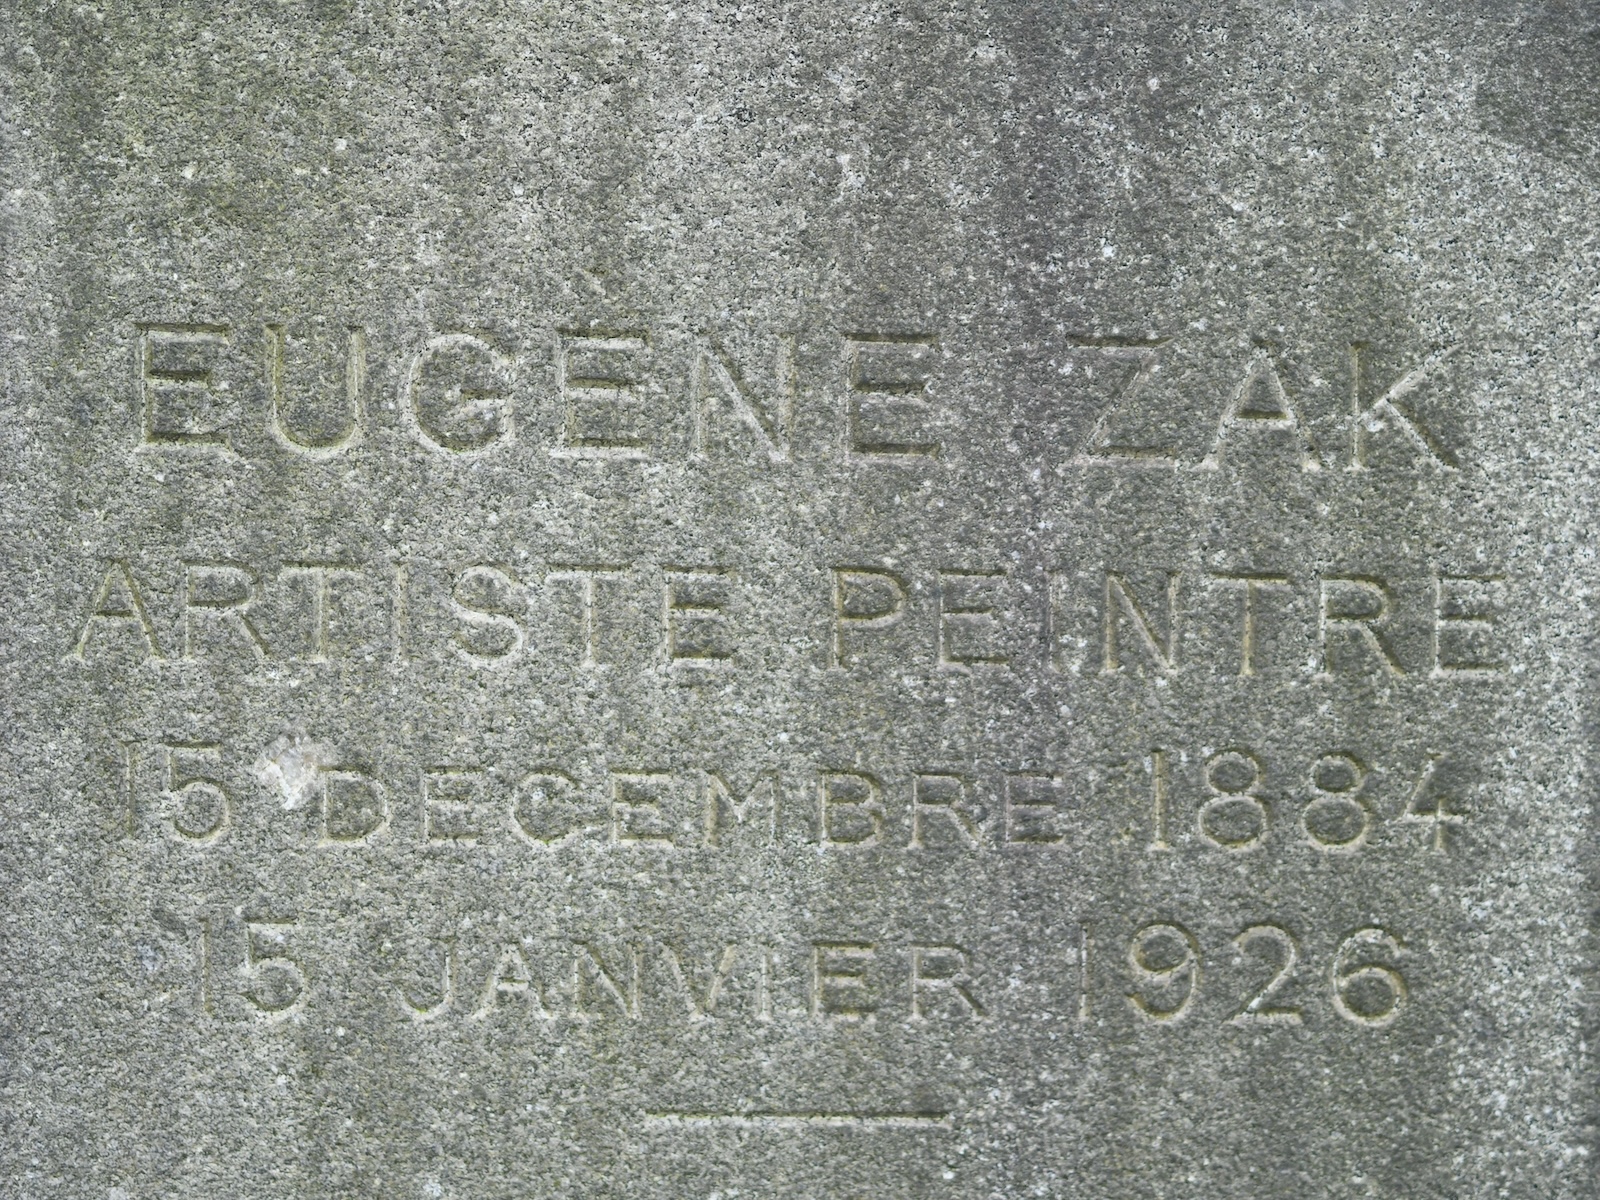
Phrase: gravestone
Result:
[815,601]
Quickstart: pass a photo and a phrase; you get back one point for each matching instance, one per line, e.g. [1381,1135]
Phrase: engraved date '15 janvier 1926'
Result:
[1157,976]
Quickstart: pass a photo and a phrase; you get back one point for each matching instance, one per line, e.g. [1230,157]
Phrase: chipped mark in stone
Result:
[290,766]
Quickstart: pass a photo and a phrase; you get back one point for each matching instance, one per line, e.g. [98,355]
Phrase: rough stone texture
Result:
[543,742]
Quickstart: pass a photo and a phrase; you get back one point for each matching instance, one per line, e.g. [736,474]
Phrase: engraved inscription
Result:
[888,413]
[644,392]
[603,390]
[344,434]
[1364,985]
[1234,800]
[717,381]
[181,401]
[457,395]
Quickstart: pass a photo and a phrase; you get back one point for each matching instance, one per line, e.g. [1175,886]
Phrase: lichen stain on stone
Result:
[1544,92]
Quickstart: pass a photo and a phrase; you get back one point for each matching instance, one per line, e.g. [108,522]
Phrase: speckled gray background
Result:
[354,842]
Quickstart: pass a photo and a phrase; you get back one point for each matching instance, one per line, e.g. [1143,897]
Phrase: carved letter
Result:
[715,372]
[855,798]
[355,382]
[960,610]
[1031,820]
[888,377]
[1120,602]
[354,805]
[597,379]
[178,405]
[1098,446]
[588,577]
[510,979]
[636,816]
[1363,621]
[588,965]
[447,989]
[320,576]
[542,809]
[721,801]
[1260,402]
[1463,616]
[1386,411]
[456,395]
[839,981]
[484,599]
[694,605]
[941,969]
[1250,585]
[117,600]
[848,582]
[945,795]
[702,1010]
[449,803]
[226,592]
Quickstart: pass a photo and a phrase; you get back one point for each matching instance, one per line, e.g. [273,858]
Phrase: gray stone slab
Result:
[813,601]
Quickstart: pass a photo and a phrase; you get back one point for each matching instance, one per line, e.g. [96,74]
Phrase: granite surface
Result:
[820,601]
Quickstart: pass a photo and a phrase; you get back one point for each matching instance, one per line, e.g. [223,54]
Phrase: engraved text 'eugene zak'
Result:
[653,392]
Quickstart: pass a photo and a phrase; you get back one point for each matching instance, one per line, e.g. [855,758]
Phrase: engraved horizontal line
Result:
[804,1120]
